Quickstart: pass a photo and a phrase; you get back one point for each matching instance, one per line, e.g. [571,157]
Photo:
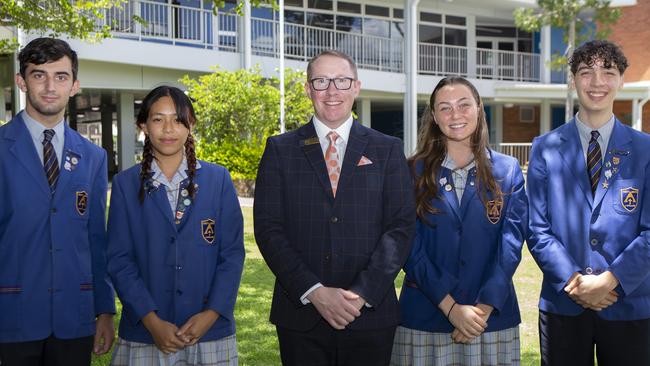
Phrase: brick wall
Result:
[623,110]
[516,131]
[632,33]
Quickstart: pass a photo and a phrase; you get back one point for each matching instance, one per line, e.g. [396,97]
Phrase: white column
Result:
[471,46]
[545,54]
[364,111]
[637,120]
[411,73]
[246,36]
[125,131]
[498,123]
[544,116]
[3,110]
[20,100]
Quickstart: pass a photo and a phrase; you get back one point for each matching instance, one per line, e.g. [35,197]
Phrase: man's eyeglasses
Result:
[324,83]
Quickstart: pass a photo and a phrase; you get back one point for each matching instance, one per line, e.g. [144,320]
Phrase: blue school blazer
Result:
[575,232]
[175,269]
[52,247]
[470,252]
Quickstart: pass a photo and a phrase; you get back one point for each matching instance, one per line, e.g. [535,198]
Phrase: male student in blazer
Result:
[334,220]
[588,184]
[56,302]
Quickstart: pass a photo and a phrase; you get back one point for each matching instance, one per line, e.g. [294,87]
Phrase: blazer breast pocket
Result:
[626,196]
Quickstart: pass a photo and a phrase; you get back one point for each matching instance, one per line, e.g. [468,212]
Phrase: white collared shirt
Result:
[343,131]
[605,132]
[172,187]
[36,130]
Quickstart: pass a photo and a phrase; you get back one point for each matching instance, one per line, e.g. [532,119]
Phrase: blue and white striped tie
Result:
[594,161]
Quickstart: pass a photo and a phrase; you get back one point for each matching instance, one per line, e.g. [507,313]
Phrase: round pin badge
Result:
[447,187]
[74,160]
[184,192]
[66,166]
[187,202]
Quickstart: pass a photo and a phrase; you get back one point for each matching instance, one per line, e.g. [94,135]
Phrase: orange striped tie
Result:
[333,161]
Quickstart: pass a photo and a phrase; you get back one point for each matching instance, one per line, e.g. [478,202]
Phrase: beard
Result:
[46,109]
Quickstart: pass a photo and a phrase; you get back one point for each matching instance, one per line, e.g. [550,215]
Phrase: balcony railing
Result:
[195,27]
[521,151]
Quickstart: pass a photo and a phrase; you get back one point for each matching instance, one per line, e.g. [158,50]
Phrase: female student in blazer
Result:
[458,301]
[176,249]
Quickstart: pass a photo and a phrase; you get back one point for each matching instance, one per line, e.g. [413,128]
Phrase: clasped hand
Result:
[170,339]
[594,292]
[337,306]
[469,321]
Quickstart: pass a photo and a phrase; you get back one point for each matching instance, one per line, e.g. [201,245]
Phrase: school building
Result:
[402,50]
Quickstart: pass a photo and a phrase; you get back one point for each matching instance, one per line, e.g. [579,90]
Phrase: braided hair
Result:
[185,114]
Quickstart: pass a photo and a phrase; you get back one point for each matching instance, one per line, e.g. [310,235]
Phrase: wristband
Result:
[452,306]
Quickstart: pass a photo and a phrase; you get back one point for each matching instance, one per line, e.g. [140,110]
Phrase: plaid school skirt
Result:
[418,348]
[222,352]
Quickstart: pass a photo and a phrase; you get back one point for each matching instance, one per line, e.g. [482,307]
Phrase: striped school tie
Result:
[50,163]
[594,161]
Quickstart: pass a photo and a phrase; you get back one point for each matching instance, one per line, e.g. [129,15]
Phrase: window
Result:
[376,27]
[349,7]
[454,20]
[320,20]
[430,17]
[430,34]
[527,114]
[398,13]
[455,37]
[348,24]
[377,10]
[320,4]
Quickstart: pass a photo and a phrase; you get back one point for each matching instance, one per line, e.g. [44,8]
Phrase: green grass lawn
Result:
[258,345]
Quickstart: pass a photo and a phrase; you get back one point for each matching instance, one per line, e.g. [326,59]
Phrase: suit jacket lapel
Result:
[310,145]
[448,196]
[25,153]
[67,167]
[355,147]
[159,196]
[574,160]
[618,150]
[469,192]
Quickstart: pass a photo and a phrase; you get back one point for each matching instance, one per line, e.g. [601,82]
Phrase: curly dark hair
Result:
[592,51]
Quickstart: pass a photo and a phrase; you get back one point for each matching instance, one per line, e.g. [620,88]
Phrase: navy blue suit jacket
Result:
[357,241]
[52,248]
[467,252]
[575,232]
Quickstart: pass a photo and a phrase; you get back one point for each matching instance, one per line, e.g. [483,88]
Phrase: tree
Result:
[572,16]
[77,19]
[237,110]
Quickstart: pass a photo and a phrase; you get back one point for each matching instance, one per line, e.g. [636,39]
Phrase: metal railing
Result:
[521,151]
[183,25]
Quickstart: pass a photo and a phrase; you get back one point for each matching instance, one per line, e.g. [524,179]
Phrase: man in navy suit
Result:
[590,223]
[54,291]
[334,219]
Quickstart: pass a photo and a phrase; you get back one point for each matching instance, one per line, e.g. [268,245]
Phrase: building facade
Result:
[473,38]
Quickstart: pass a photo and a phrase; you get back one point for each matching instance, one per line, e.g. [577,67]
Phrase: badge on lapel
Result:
[71,160]
[81,202]
[309,141]
[207,230]
[493,211]
[629,198]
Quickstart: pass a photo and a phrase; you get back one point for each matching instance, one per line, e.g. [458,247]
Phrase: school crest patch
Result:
[493,210]
[207,230]
[81,202]
[629,198]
